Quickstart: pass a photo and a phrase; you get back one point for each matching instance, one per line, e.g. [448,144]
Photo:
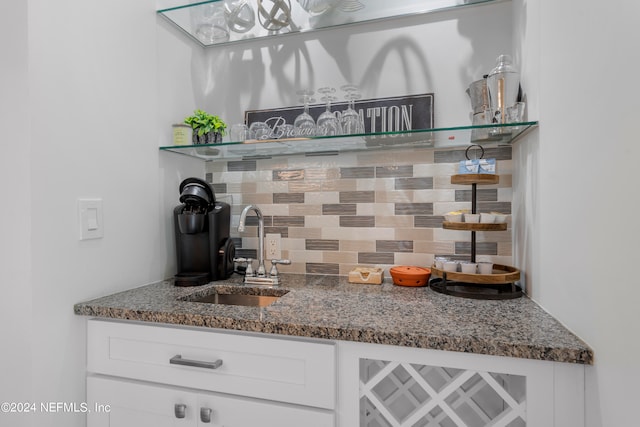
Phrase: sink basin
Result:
[248,297]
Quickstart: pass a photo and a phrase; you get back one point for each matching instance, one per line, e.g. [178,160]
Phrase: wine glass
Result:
[351,121]
[328,124]
[304,124]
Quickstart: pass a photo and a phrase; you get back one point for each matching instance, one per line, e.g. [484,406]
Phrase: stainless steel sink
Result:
[248,297]
[237,299]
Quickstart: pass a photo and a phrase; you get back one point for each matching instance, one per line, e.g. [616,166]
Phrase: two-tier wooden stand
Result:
[500,284]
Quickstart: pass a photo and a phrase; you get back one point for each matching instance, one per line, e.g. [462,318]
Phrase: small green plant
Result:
[204,123]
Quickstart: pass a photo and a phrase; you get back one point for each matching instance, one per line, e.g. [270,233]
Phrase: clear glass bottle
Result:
[503,84]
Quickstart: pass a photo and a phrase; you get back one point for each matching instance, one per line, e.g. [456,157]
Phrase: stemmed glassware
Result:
[328,124]
[351,121]
[304,125]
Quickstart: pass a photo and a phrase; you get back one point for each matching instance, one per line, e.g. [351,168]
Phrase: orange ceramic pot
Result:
[405,275]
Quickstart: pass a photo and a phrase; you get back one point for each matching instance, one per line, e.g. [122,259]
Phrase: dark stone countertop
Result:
[329,307]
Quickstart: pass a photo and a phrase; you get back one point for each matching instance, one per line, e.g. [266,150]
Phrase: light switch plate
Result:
[90,219]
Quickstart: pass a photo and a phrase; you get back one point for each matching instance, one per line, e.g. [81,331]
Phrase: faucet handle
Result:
[274,268]
[249,270]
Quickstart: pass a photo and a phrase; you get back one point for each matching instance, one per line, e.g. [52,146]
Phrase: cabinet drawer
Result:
[253,365]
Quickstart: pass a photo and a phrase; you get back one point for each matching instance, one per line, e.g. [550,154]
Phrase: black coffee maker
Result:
[204,249]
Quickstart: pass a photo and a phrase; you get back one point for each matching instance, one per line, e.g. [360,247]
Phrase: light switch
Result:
[90,218]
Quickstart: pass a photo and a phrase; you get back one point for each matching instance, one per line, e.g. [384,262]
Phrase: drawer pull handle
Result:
[180,410]
[178,360]
[205,415]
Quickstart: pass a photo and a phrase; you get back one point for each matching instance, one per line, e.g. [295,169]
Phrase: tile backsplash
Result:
[383,208]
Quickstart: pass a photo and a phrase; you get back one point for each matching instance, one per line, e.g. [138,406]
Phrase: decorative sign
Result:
[381,115]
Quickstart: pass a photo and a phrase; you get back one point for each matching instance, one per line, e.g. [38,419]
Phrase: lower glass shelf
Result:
[453,137]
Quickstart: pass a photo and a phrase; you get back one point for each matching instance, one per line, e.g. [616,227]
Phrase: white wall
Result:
[15,232]
[81,118]
[577,187]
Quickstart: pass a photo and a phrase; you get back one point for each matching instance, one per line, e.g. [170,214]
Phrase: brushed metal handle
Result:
[205,415]
[178,360]
[180,409]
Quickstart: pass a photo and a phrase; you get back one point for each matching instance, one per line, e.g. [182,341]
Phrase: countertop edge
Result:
[465,345]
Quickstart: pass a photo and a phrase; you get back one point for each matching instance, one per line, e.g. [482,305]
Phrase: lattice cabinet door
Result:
[387,386]
[406,395]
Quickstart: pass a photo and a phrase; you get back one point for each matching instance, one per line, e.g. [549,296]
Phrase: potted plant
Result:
[207,128]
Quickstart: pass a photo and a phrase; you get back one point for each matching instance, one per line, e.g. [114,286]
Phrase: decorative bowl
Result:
[405,275]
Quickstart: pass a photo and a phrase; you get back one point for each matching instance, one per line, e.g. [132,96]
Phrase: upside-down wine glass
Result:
[351,121]
[328,124]
[304,125]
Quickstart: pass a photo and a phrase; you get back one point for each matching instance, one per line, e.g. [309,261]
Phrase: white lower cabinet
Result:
[139,404]
[161,375]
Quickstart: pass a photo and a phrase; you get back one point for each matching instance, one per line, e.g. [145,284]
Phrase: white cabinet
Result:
[281,381]
[139,404]
[140,372]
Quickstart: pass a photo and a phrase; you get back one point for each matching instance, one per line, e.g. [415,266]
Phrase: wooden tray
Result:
[475,178]
[501,274]
[474,226]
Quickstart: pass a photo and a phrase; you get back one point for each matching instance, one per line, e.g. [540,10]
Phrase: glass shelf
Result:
[453,137]
[195,18]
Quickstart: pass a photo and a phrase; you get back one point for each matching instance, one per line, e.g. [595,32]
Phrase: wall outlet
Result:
[273,246]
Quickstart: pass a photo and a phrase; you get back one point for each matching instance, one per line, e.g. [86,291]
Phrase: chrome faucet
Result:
[261,271]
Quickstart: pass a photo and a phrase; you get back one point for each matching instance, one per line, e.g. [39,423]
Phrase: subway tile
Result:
[394,246]
[305,186]
[322,268]
[257,199]
[376,258]
[321,174]
[502,207]
[357,233]
[414,208]
[375,209]
[364,245]
[424,183]
[288,221]
[306,232]
[357,172]
[420,260]
[322,221]
[270,187]
[454,156]
[336,257]
[339,209]
[486,195]
[304,209]
[288,175]
[428,221]
[288,198]
[415,234]
[322,245]
[405,196]
[405,171]
[357,221]
[357,197]
[482,248]
[430,247]
[394,221]
[241,165]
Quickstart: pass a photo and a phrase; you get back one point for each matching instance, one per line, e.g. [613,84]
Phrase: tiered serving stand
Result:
[501,283]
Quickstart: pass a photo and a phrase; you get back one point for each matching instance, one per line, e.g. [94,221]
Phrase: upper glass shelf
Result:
[218,22]
[453,137]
